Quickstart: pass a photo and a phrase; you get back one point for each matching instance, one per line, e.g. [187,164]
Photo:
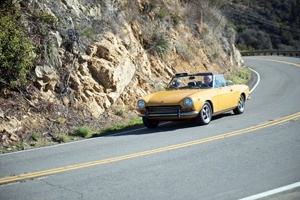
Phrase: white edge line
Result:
[271,192]
[258,80]
[77,141]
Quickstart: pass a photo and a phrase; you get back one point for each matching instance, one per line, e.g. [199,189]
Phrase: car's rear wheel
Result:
[204,117]
[149,123]
[241,105]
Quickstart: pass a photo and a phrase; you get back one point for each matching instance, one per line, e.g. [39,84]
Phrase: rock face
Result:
[100,77]
[106,55]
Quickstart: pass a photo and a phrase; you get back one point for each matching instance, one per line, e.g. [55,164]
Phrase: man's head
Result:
[207,79]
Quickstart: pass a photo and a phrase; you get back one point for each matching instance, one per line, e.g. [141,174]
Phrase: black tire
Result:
[241,106]
[150,123]
[204,117]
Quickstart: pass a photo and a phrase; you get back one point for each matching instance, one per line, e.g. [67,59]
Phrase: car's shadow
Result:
[162,127]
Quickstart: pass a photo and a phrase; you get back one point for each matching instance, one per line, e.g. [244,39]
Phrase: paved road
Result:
[234,157]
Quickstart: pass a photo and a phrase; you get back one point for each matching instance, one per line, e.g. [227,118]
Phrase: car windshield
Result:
[188,81]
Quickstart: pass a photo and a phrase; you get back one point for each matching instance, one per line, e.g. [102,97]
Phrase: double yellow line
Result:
[32,175]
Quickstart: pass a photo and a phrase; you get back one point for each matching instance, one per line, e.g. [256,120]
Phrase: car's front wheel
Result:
[241,105]
[149,123]
[205,114]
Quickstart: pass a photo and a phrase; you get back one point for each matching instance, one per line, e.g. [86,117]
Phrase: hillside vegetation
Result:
[71,68]
[264,24]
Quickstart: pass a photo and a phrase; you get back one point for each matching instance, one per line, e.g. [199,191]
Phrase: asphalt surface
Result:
[234,157]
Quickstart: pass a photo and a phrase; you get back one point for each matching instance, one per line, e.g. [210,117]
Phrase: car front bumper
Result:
[177,115]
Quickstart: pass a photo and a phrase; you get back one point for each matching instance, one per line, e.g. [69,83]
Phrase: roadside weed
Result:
[62,138]
[36,136]
[83,131]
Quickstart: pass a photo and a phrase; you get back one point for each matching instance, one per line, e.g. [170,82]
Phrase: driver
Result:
[208,80]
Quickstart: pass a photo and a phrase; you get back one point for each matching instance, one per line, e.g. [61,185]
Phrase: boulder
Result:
[46,77]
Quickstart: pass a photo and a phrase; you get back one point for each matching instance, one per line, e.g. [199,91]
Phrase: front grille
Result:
[164,110]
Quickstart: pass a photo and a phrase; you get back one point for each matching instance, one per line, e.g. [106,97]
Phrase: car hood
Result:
[169,97]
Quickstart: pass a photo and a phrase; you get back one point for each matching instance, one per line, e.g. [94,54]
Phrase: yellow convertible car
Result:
[193,96]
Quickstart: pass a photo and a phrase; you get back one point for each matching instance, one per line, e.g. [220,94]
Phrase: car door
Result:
[225,93]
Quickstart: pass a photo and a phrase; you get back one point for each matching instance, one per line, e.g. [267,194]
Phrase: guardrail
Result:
[292,53]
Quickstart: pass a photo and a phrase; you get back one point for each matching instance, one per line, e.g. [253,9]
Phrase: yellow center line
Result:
[31,175]
[279,61]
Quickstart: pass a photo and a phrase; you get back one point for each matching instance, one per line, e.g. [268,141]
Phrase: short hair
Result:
[207,77]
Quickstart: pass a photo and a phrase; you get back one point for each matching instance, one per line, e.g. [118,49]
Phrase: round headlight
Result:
[188,102]
[141,104]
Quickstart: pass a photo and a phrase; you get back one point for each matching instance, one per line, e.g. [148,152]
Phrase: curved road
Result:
[234,157]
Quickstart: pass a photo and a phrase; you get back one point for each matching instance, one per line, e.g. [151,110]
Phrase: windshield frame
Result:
[184,80]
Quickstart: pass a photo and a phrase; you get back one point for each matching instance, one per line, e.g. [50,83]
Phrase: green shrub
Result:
[118,127]
[83,131]
[20,145]
[62,138]
[36,136]
[48,19]
[162,12]
[16,58]
[61,120]
[176,18]
[240,28]
[135,121]
[119,110]
[161,46]
[240,77]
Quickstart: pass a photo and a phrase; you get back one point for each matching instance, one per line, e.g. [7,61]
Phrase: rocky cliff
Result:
[100,56]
